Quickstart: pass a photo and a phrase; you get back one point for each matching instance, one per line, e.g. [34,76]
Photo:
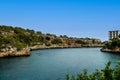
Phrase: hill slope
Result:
[17,39]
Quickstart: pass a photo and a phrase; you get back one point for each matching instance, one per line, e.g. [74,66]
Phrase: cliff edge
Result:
[13,52]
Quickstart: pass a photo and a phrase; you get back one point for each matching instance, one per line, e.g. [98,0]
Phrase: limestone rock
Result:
[10,52]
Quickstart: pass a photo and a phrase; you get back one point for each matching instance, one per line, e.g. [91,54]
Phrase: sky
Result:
[75,18]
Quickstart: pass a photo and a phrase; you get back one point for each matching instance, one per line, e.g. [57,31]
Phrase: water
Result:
[52,64]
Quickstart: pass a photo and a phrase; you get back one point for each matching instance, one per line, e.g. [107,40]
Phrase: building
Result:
[114,34]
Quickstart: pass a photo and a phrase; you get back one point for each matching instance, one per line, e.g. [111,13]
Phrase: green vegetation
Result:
[56,41]
[18,37]
[113,43]
[105,74]
[21,38]
[80,42]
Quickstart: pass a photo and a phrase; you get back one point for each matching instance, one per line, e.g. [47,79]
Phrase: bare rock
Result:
[11,52]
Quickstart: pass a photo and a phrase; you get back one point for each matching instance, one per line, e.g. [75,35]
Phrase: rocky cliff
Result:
[13,52]
[14,40]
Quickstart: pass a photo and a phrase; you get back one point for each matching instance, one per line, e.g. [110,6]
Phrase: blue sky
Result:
[76,18]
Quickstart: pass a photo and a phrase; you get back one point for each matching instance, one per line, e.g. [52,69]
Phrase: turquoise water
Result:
[52,64]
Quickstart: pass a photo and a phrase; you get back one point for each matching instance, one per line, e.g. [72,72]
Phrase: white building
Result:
[114,34]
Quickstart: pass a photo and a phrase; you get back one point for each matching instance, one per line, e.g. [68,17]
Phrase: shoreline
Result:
[17,41]
[117,51]
[12,52]
[63,47]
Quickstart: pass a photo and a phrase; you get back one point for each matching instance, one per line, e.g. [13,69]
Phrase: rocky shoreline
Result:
[13,52]
[38,47]
[14,40]
[116,50]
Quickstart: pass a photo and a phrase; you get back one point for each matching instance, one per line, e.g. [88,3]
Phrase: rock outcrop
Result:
[115,50]
[13,52]
[36,47]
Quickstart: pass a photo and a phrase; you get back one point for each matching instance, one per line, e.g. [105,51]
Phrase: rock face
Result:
[12,52]
[37,47]
[116,50]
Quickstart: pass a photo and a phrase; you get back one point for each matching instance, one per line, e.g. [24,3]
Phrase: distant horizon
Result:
[74,18]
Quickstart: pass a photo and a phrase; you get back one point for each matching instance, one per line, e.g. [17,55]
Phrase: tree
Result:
[56,41]
[40,33]
[108,72]
[48,38]
[115,42]
[117,72]
[78,41]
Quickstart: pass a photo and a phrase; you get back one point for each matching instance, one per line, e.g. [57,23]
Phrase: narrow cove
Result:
[52,64]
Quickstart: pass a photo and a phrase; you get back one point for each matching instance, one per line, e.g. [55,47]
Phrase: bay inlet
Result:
[52,64]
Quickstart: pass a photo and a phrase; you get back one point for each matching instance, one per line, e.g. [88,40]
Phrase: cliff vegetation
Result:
[112,46]
[17,39]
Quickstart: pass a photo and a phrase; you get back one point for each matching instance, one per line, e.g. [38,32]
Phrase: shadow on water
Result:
[5,62]
[113,57]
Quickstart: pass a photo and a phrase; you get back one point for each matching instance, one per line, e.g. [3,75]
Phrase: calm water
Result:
[52,64]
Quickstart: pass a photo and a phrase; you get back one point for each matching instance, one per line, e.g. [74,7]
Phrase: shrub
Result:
[56,41]
[105,74]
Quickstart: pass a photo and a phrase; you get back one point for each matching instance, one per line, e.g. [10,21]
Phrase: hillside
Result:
[19,39]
